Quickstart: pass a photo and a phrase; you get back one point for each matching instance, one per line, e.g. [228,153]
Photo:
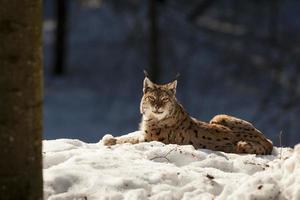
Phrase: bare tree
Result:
[154,41]
[20,99]
[60,50]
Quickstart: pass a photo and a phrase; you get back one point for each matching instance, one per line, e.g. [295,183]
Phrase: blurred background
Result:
[235,57]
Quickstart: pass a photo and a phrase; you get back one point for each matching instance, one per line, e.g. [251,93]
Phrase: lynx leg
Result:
[132,138]
[231,122]
[248,138]
[109,140]
[250,147]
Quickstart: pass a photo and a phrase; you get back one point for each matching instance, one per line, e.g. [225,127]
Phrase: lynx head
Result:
[158,101]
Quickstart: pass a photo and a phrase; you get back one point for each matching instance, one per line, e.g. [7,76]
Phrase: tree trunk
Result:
[60,37]
[20,99]
[153,41]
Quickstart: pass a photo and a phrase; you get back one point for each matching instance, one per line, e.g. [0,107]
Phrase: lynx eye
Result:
[165,99]
[150,98]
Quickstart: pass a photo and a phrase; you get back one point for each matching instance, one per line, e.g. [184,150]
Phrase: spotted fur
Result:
[165,120]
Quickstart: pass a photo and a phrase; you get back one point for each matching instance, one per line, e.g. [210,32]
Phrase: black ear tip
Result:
[177,76]
[146,73]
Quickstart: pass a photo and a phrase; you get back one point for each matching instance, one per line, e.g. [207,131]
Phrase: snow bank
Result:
[81,171]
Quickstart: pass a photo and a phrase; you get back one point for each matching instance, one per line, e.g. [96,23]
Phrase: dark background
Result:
[235,57]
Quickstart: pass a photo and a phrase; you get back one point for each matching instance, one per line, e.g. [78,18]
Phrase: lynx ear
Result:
[172,86]
[147,84]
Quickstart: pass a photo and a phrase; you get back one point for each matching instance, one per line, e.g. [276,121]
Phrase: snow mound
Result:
[80,171]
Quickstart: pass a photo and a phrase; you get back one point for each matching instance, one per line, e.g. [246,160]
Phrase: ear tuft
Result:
[146,73]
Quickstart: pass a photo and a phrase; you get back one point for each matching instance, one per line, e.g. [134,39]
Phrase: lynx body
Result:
[165,120]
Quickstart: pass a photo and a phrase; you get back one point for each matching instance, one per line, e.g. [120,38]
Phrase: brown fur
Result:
[165,120]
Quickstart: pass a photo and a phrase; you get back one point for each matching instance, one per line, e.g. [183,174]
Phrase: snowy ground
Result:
[77,170]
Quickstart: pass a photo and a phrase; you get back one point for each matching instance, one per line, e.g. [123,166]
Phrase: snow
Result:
[77,170]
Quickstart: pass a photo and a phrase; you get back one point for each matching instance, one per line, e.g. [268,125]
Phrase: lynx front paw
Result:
[109,140]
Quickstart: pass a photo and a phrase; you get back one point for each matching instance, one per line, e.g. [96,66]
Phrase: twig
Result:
[210,176]
[280,143]
[164,156]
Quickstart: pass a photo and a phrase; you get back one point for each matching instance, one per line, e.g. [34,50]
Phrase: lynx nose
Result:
[156,107]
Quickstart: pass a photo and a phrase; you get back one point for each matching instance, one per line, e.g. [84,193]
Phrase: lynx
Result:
[165,120]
